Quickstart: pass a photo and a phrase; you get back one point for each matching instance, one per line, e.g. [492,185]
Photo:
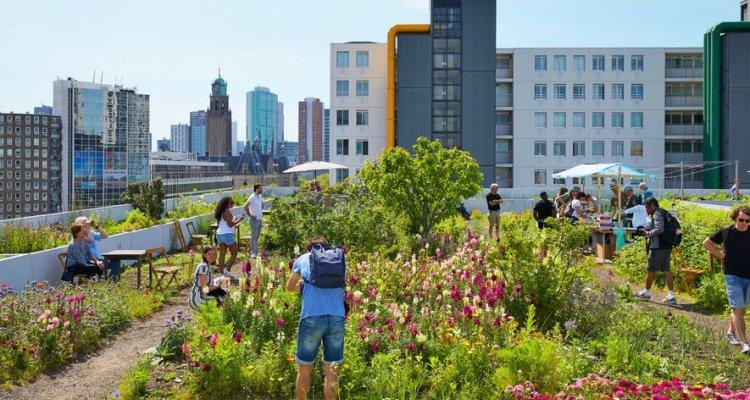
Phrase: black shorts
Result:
[658,260]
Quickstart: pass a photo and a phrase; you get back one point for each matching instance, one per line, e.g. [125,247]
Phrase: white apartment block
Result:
[560,107]
[179,138]
[358,87]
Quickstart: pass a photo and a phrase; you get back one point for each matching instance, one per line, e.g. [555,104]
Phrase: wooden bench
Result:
[162,271]
[77,278]
[688,278]
[196,240]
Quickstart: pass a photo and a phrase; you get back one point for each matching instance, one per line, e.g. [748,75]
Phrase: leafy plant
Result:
[135,383]
[147,197]
[711,292]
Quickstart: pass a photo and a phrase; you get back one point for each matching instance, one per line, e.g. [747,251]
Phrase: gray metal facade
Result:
[736,103]
[414,88]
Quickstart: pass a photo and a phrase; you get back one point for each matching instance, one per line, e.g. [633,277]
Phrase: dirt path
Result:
[97,375]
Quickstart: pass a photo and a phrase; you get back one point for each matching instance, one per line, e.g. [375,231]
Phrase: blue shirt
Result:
[93,245]
[315,300]
[647,194]
[78,253]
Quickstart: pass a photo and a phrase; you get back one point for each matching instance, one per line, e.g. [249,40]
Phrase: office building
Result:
[310,130]
[30,155]
[441,80]
[198,132]
[235,147]
[182,172]
[43,110]
[560,107]
[105,141]
[262,109]
[219,120]
[291,150]
[179,138]
[743,10]
[358,106]
[279,125]
[327,134]
[163,145]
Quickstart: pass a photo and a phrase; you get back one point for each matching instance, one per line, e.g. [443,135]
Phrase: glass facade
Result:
[198,132]
[261,119]
[446,70]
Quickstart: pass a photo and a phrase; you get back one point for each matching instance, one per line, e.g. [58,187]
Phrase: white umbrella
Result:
[314,166]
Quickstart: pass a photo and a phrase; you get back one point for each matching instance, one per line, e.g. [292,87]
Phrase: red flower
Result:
[374,347]
[212,340]
[280,322]
[206,367]
[237,337]
[410,346]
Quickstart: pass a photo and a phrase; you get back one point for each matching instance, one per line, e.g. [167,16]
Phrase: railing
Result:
[504,100]
[677,130]
[684,73]
[680,157]
[684,101]
[503,73]
[504,158]
[504,129]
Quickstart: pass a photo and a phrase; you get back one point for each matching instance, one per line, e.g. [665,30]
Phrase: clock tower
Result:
[219,120]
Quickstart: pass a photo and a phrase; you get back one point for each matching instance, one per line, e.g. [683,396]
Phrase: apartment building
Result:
[560,107]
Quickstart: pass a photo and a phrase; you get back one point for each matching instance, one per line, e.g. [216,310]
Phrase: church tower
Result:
[219,120]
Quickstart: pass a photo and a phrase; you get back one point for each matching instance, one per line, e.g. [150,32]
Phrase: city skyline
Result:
[152,58]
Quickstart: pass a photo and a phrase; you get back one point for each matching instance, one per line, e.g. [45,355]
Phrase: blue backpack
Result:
[327,267]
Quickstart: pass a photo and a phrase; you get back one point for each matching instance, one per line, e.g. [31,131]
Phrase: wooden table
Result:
[137,255]
[603,242]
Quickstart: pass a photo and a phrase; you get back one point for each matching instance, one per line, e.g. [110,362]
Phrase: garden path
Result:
[716,324]
[97,375]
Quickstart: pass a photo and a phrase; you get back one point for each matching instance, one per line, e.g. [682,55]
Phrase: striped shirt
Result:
[196,296]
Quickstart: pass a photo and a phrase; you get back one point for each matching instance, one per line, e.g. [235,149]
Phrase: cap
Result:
[82,220]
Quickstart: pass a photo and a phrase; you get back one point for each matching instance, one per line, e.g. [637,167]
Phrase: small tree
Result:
[147,197]
[426,187]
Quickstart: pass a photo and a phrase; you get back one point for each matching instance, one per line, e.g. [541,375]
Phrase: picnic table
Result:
[136,255]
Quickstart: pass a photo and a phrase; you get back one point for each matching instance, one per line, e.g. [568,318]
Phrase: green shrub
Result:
[147,197]
[711,292]
[135,383]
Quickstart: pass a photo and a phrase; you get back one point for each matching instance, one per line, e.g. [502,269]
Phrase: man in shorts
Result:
[493,205]
[658,253]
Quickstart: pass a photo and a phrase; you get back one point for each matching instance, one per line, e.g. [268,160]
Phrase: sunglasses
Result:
[747,221]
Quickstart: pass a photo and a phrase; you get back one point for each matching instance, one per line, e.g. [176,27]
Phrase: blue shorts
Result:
[315,329]
[738,291]
[225,238]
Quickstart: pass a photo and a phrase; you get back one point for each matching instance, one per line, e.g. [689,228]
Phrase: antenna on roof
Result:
[101,78]
[219,72]
[93,78]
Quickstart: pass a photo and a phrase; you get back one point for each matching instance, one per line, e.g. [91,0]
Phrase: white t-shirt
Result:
[575,205]
[640,217]
[256,205]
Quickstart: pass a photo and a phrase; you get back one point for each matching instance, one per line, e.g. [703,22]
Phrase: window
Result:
[540,176]
[362,147]
[560,91]
[579,149]
[540,63]
[597,120]
[342,147]
[579,91]
[579,120]
[636,63]
[560,62]
[342,117]
[636,120]
[636,148]
[363,59]
[342,88]
[540,120]
[618,91]
[540,148]
[598,91]
[636,91]
[442,92]
[558,148]
[597,148]
[617,148]
[579,63]
[618,63]
[342,59]
[560,120]
[540,91]
[618,120]
[597,63]
[363,118]
[363,88]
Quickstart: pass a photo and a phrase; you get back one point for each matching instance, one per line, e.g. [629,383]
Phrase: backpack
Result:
[327,267]
[672,235]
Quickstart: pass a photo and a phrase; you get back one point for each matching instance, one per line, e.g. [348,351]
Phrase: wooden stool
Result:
[162,271]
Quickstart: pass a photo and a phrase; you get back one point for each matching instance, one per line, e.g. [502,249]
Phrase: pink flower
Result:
[256,313]
[280,322]
[186,350]
[212,340]
[237,337]
[410,346]
[374,347]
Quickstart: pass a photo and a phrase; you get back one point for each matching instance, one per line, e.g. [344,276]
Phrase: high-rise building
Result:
[179,138]
[105,141]
[444,79]
[327,134]
[164,145]
[198,132]
[262,108]
[358,87]
[235,147]
[30,177]
[310,130]
[219,120]
[279,125]
[291,149]
[743,10]
[43,110]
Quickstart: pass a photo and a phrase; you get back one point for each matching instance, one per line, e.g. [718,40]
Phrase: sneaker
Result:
[732,339]
[670,299]
[745,348]
[232,276]
[643,294]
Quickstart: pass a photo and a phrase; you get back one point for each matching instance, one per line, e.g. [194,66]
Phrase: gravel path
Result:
[97,375]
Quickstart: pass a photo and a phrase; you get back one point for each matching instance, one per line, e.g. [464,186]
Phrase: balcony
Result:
[675,158]
[684,73]
[505,100]
[503,130]
[503,73]
[683,130]
[504,158]
[684,101]
[505,183]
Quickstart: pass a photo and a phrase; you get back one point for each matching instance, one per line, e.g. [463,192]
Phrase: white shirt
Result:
[576,206]
[256,205]
[640,217]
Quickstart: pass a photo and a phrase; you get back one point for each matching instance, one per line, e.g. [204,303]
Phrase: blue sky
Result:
[172,49]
